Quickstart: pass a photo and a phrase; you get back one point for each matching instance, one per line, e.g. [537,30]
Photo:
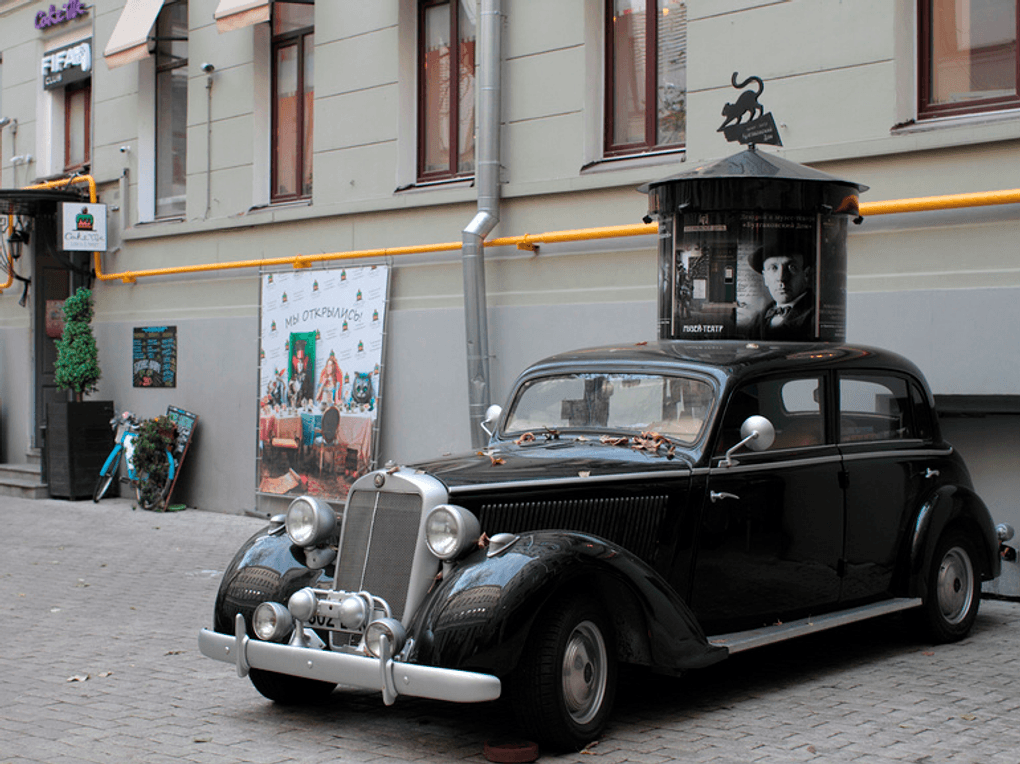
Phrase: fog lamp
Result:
[450,531]
[385,628]
[310,521]
[353,612]
[272,622]
[303,604]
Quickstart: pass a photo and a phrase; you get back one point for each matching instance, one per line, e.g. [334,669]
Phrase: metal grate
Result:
[632,522]
[379,538]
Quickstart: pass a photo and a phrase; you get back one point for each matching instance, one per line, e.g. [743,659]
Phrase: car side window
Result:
[875,407]
[792,404]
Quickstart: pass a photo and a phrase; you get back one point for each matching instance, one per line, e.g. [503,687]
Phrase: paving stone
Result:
[119,595]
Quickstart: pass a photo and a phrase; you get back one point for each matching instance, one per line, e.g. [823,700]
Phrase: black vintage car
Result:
[662,504]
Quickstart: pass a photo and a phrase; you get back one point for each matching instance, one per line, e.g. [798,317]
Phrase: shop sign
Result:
[83,227]
[72,63]
[71,10]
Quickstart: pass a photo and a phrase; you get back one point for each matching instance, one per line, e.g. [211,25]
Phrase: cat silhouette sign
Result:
[759,127]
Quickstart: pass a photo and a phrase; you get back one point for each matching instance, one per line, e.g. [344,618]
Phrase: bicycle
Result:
[129,426]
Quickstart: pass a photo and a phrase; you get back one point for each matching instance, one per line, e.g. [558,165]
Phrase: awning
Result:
[235,14]
[130,39]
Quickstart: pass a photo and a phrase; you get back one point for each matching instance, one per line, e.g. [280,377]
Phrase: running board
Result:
[738,641]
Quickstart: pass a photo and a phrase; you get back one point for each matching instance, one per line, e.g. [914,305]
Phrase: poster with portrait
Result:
[758,275]
[320,378]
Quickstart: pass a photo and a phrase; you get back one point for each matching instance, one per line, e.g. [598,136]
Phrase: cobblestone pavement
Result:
[101,605]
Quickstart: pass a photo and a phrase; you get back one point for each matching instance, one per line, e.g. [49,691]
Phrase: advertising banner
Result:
[321,357]
[757,275]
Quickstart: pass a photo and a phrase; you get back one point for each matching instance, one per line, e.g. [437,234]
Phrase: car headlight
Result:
[272,622]
[310,521]
[390,628]
[450,531]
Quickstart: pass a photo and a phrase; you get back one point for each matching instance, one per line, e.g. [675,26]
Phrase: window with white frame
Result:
[293,48]
[968,57]
[446,89]
[171,101]
[646,75]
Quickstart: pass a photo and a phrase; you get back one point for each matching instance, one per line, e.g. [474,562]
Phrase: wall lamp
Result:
[12,121]
[21,159]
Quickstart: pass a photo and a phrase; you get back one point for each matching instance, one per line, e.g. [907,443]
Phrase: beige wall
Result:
[839,81]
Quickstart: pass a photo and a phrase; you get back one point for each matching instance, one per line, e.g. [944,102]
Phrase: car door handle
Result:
[716,495]
[930,473]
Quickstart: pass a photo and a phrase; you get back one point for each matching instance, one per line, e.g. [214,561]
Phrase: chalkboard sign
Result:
[185,422]
[155,356]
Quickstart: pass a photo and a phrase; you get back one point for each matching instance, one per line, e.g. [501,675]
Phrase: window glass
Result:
[646,74]
[293,99]
[171,99]
[675,407]
[970,51]
[446,101]
[77,114]
[792,404]
[874,408]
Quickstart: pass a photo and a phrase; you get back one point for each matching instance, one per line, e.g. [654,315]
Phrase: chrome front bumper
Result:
[391,677]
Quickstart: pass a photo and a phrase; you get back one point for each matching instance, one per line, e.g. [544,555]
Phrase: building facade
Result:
[237,131]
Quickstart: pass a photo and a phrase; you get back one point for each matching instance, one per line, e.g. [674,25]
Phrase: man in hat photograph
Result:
[787,273]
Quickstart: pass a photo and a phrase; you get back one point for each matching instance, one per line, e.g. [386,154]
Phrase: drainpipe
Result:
[487,182]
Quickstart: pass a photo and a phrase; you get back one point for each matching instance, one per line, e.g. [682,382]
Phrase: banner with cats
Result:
[320,373]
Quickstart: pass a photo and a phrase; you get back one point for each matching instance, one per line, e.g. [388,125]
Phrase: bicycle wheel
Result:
[152,487]
[105,478]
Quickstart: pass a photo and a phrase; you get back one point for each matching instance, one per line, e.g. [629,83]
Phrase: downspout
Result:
[487,182]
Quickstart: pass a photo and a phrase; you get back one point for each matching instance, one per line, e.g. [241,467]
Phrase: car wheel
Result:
[290,690]
[563,688]
[954,591]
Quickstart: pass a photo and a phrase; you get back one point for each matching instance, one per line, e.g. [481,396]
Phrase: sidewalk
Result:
[101,606]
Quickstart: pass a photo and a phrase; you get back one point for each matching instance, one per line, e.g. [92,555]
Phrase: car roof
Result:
[726,359]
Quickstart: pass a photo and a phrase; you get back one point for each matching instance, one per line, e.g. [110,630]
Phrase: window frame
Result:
[927,110]
[85,87]
[452,171]
[650,144]
[298,38]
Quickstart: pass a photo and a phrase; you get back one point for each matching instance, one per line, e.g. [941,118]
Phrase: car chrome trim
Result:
[722,469]
[543,482]
[908,453]
[348,669]
[739,641]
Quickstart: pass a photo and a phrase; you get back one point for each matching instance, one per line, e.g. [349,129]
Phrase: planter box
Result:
[78,440]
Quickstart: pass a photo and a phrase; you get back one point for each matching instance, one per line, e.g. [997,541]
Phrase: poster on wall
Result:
[154,356]
[769,276]
[320,374]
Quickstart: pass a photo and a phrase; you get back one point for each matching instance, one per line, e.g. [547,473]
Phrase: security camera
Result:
[208,68]
[125,149]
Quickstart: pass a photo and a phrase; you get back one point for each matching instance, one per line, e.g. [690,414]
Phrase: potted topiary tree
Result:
[78,433]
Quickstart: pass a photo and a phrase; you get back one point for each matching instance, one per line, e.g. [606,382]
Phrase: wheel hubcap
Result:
[955,585]
[584,672]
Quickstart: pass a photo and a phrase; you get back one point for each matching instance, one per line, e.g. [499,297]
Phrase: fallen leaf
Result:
[584,473]
[78,678]
[174,652]
[202,739]
[104,674]
[968,717]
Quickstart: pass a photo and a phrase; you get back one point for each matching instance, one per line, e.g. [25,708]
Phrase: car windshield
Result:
[675,407]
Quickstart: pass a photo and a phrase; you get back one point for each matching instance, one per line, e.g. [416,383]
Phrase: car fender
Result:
[267,568]
[480,615]
[952,505]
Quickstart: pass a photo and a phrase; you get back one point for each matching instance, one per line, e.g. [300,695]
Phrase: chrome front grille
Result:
[377,549]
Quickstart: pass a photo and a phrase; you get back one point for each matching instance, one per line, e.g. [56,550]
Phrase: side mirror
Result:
[492,414]
[757,433]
